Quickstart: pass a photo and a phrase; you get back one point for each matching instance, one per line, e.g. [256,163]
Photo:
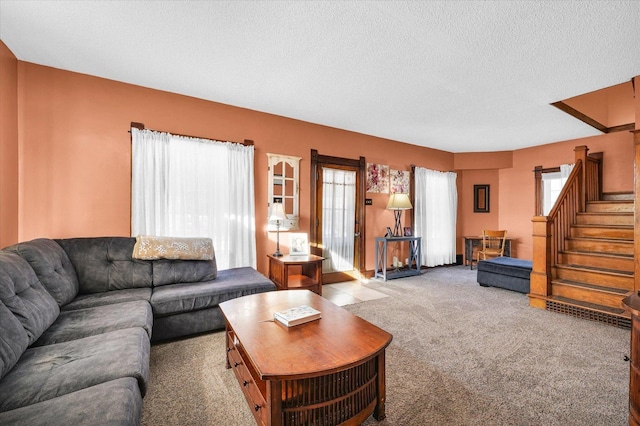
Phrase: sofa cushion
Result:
[46,372]
[52,266]
[187,323]
[24,295]
[79,323]
[231,283]
[105,264]
[183,271]
[13,340]
[117,402]
[108,298]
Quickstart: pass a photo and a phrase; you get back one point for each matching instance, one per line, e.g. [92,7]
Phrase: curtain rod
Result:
[140,126]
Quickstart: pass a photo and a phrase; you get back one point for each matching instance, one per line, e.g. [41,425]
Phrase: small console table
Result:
[296,272]
[412,268]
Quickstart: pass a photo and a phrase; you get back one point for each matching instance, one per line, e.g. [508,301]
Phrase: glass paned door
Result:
[338,219]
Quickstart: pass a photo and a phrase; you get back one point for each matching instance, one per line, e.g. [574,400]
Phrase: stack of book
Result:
[297,315]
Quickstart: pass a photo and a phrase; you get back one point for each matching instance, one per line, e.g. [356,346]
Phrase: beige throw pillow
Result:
[149,247]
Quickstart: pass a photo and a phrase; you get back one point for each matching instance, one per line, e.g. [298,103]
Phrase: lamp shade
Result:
[399,202]
[277,213]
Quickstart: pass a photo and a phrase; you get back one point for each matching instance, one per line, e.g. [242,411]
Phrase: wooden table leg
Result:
[379,412]
[227,347]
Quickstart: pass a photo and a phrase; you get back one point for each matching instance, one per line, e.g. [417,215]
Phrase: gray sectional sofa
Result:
[77,317]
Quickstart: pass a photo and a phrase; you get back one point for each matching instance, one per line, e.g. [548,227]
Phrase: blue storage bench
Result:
[505,272]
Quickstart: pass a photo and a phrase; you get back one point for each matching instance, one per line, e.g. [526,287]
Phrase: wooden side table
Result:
[296,272]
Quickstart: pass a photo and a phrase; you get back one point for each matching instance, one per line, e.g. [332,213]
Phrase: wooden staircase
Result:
[595,271]
[584,250]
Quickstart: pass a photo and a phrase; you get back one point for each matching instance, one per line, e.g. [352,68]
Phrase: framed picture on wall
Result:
[481,198]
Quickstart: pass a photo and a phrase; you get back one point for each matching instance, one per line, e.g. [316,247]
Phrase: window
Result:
[190,187]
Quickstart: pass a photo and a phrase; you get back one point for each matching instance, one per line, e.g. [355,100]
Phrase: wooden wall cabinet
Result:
[284,187]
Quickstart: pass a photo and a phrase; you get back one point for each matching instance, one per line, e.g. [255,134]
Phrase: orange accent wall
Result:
[76,153]
[8,147]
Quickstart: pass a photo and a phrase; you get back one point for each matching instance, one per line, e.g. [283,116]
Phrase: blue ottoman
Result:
[505,272]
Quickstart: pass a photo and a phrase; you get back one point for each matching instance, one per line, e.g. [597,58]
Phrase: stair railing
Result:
[550,232]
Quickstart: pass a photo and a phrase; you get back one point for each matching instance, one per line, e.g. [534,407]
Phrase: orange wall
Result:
[637,101]
[611,106]
[75,158]
[76,153]
[483,160]
[517,185]
[473,223]
[8,147]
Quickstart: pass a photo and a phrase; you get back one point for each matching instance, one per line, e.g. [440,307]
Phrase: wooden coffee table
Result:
[328,371]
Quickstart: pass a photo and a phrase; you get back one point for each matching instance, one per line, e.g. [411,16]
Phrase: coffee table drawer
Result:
[248,385]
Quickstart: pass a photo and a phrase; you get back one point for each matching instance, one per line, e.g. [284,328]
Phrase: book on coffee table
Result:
[297,315]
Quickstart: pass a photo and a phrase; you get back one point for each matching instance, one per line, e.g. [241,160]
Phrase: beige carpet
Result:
[461,355]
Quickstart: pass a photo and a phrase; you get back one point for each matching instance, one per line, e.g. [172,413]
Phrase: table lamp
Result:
[277,216]
[397,203]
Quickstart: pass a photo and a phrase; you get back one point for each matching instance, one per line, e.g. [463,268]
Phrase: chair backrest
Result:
[494,241]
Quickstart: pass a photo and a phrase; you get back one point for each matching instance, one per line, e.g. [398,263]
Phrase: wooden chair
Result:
[492,244]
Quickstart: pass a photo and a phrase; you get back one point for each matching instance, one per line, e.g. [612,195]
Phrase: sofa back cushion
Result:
[24,295]
[13,340]
[105,263]
[52,266]
[168,271]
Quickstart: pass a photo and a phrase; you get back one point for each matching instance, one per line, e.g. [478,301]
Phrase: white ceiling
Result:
[461,76]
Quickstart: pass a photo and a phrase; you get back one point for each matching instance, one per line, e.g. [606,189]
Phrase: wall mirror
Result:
[283,187]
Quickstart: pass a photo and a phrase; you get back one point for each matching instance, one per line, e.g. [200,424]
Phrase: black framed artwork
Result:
[481,198]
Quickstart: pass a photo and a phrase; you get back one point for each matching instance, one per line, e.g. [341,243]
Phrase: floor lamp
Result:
[397,203]
[277,216]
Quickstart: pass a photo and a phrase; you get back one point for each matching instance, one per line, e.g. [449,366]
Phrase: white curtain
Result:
[338,219]
[435,210]
[565,171]
[188,187]
[552,184]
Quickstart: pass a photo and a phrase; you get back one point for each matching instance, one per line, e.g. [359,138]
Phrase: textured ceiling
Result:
[460,76]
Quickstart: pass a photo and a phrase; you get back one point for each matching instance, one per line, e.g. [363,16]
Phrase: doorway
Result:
[337,216]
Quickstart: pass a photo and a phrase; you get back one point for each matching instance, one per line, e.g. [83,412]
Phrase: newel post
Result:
[581,154]
[540,278]
[636,214]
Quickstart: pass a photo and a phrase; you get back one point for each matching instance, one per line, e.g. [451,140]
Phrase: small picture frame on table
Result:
[298,244]
[389,233]
[407,231]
